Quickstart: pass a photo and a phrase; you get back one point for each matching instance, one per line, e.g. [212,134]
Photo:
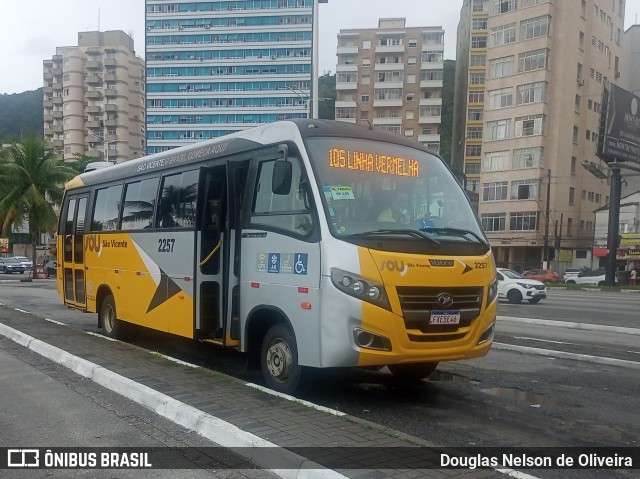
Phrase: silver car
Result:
[11,265]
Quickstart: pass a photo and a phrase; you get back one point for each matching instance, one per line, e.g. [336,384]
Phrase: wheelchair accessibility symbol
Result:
[300,266]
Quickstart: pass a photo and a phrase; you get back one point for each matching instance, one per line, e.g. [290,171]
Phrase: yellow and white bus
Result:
[308,244]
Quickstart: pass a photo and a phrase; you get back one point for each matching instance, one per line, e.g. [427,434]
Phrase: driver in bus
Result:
[398,211]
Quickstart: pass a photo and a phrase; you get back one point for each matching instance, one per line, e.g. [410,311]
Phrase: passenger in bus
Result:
[398,211]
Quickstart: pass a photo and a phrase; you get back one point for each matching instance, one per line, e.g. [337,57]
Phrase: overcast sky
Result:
[32,29]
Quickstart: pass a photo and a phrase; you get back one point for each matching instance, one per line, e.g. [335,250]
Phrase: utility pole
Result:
[546,222]
[614,220]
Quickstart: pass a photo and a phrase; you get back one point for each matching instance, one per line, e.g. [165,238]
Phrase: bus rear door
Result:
[73,257]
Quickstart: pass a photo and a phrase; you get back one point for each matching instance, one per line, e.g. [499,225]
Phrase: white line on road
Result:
[565,355]
[54,321]
[570,325]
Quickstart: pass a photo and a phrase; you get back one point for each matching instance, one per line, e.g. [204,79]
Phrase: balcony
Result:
[94,109]
[111,123]
[57,114]
[57,100]
[110,107]
[430,120]
[110,62]
[347,50]
[58,129]
[111,92]
[93,65]
[47,104]
[381,85]
[57,143]
[111,78]
[390,49]
[389,67]
[47,90]
[429,138]
[48,118]
[430,102]
[345,104]
[94,124]
[93,79]
[48,132]
[387,103]
[94,95]
[387,121]
[431,83]
[347,86]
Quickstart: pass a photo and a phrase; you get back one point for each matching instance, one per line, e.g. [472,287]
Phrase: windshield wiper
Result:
[414,233]
[457,232]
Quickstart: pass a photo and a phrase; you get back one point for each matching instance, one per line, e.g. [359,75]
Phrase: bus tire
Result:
[279,362]
[111,325]
[413,371]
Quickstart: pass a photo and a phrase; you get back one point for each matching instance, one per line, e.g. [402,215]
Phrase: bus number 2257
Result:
[165,245]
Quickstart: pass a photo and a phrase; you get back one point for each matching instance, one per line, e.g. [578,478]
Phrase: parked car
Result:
[590,277]
[52,267]
[544,275]
[11,265]
[570,273]
[514,288]
[26,262]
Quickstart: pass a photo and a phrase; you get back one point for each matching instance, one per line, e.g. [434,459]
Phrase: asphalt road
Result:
[509,398]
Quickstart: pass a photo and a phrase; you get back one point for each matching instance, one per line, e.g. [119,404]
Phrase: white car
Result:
[26,262]
[514,288]
[570,273]
[592,278]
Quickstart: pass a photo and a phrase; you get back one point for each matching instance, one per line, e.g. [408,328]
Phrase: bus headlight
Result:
[493,291]
[361,288]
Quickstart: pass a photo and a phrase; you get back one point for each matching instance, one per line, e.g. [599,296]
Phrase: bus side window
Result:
[291,211]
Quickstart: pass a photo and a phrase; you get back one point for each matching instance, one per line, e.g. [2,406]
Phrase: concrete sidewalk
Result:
[226,411]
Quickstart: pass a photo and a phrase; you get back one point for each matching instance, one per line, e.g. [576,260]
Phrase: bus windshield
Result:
[377,189]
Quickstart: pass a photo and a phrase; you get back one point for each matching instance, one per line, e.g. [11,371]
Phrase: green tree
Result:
[31,180]
[327,96]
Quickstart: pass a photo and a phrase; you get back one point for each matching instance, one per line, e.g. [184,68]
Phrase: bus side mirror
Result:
[282,173]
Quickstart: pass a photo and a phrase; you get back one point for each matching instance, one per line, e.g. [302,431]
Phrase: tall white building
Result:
[94,98]
[218,67]
[391,77]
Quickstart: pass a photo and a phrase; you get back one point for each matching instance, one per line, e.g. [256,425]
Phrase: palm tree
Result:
[31,179]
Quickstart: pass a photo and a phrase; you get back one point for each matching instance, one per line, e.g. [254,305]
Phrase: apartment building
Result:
[545,67]
[214,68]
[390,77]
[94,98]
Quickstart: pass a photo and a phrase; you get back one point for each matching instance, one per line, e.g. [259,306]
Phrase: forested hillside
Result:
[20,113]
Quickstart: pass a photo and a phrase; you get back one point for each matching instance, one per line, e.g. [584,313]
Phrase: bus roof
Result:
[245,140]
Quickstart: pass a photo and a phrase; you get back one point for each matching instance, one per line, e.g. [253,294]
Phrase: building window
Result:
[530,93]
[572,194]
[527,158]
[533,60]
[494,221]
[472,168]
[479,41]
[364,99]
[503,34]
[525,221]
[473,150]
[498,130]
[475,114]
[574,160]
[504,6]
[496,161]
[474,132]
[477,60]
[524,190]
[476,78]
[366,45]
[409,115]
[500,98]
[413,43]
[528,125]
[501,67]
[494,191]
[534,27]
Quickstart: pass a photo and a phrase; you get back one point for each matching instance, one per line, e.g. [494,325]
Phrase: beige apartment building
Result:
[94,96]
[390,77]
[545,64]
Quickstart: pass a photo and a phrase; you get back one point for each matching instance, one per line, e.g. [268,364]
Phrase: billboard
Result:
[4,245]
[619,132]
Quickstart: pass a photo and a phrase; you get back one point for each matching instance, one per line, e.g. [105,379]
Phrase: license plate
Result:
[444,317]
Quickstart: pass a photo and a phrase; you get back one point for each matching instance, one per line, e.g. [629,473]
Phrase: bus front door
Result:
[73,260]
[218,247]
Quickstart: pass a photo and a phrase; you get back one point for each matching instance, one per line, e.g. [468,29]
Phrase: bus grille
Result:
[417,302]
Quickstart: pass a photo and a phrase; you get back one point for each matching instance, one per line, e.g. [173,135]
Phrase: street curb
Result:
[571,325]
[253,448]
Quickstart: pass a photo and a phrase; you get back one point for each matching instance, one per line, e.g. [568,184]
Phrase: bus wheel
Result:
[413,372]
[279,362]
[108,318]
